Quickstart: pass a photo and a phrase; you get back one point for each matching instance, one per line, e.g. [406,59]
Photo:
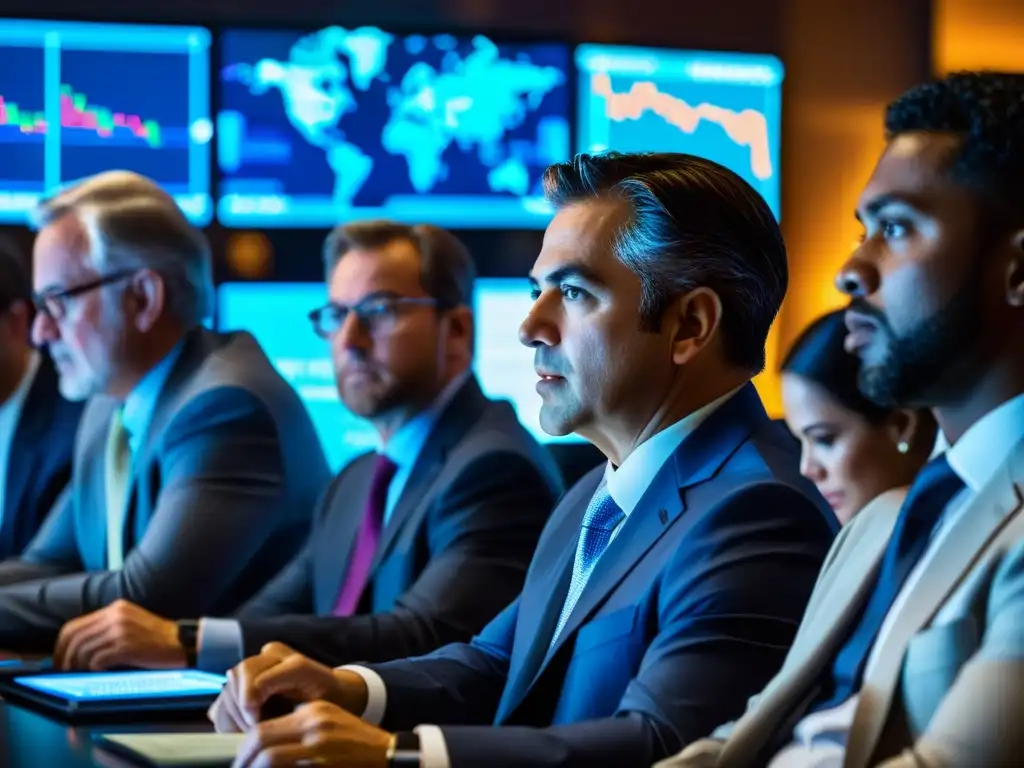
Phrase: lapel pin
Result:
[663,516]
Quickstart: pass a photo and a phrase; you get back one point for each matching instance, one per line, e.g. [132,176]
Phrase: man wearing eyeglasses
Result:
[195,465]
[413,546]
[37,425]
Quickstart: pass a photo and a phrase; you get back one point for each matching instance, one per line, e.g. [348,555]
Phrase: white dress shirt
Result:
[10,415]
[219,642]
[626,485]
[820,738]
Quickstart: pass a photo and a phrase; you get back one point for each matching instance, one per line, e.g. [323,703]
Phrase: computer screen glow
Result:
[722,106]
[317,128]
[80,98]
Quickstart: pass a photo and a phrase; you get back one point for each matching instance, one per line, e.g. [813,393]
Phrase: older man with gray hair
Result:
[195,464]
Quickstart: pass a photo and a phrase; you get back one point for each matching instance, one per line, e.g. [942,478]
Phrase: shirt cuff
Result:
[219,645]
[433,750]
[376,694]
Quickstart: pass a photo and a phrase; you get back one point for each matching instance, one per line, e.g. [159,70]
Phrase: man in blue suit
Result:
[668,584]
[37,425]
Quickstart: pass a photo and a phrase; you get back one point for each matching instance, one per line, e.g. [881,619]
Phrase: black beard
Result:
[917,367]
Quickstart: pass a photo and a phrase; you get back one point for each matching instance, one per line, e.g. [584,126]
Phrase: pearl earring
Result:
[903,446]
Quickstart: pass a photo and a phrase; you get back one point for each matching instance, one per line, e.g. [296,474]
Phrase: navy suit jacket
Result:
[454,552]
[221,494]
[39,465]
[689,611]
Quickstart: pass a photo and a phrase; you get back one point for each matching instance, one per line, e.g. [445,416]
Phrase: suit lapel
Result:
[696,460]
[838,600]
[465,408]
[544,593]
[956,554]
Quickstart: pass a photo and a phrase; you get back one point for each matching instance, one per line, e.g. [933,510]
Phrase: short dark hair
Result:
[986,109]
[692,223]
[818,355]
[447,271]
[14,280]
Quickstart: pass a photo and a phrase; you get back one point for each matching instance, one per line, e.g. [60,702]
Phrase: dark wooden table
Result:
[30,739]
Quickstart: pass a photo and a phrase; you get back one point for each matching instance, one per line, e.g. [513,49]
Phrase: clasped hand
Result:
[322,731]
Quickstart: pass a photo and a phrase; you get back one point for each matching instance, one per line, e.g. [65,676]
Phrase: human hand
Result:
[122,634]
[280,671]
[315,734]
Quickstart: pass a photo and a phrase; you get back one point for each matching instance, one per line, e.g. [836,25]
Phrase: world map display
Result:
[318,127]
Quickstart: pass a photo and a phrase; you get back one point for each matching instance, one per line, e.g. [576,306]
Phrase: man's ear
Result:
[150,295]
[696,316]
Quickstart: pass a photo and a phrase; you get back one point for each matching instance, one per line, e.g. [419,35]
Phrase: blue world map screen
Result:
[726,107]
[337,124]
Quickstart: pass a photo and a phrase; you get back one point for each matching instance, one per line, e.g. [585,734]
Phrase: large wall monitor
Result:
[341,123]
[722,106]
[80,98]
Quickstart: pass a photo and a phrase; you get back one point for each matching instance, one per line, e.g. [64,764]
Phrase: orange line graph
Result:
[748,128]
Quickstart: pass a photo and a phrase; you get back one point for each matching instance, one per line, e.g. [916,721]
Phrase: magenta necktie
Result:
[367,539]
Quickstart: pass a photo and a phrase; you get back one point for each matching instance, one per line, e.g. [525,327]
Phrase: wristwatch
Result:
[188,637]
[404,750]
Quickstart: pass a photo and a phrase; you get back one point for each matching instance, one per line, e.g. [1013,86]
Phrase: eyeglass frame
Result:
[40,300]
[360,310]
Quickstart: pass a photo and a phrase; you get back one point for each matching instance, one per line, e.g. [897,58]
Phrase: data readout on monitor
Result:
[722,106]
[340,123]
[115,686]
[80,98]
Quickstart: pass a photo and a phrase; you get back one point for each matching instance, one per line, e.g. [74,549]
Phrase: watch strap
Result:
[188,637]
[404,750]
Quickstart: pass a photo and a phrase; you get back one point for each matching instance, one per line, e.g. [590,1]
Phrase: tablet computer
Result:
[102,693]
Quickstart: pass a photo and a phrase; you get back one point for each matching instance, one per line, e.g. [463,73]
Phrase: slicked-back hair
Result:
[986,110]
[131,223]
[692,223]
[447,271]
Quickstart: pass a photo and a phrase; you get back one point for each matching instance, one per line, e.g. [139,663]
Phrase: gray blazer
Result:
[947,685]
[223,489]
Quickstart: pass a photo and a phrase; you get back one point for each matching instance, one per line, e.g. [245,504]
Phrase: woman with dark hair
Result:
[851,449]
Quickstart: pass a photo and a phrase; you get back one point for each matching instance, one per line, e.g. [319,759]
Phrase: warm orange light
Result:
[978,34]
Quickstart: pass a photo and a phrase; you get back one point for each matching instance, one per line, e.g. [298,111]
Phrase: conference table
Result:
[30,739]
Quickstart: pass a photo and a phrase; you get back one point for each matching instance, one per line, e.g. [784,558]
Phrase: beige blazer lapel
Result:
[838,596]
[945,569]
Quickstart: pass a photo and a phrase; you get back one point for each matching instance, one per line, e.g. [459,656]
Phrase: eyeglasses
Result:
[377,315]
[53,303]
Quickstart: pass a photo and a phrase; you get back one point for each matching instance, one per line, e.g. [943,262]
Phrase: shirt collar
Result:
[627,484]
[14,403]
[983,448]
[141,401]
[405,445]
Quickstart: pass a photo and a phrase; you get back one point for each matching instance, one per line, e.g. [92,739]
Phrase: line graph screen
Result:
[340,123]
[80,98]
[723,106]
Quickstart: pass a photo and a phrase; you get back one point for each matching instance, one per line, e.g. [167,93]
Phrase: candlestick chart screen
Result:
[722,106]
[77,99]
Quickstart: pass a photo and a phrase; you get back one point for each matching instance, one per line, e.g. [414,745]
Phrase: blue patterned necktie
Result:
[599,523]
[933,489]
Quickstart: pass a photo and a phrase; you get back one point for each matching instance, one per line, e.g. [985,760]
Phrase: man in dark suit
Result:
[668,584]
[413,547]
[195,465]
[37,425]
